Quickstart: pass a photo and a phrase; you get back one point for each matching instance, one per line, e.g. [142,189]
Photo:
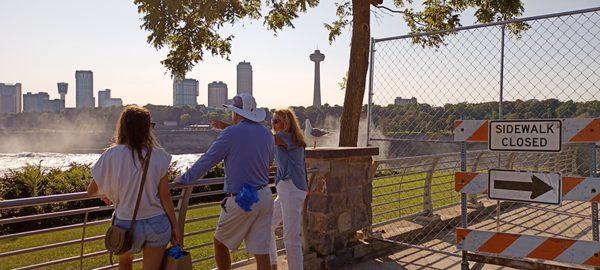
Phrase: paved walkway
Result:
[571,220]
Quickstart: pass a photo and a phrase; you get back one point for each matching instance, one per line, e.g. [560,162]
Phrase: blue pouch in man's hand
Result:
[247,196]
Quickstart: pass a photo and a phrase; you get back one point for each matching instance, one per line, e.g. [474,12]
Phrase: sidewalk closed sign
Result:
[525,135]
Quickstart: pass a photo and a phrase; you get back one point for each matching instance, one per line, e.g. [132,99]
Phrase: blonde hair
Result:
[291,125]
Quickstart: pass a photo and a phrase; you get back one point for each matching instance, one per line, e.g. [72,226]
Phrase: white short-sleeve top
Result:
[118,174]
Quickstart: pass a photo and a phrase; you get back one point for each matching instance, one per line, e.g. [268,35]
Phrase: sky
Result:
[43,42]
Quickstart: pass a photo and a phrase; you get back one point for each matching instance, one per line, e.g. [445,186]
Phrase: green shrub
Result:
[34,180]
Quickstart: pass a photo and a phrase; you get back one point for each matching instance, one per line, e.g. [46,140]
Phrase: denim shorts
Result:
[151,232]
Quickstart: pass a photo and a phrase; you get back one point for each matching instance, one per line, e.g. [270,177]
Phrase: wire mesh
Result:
[549,70]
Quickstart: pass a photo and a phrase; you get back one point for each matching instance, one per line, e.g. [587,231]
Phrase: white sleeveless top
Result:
[118,175]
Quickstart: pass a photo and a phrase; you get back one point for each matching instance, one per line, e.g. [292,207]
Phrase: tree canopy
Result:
[191,28]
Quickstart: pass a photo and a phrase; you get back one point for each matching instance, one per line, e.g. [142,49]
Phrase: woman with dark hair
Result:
[118,176]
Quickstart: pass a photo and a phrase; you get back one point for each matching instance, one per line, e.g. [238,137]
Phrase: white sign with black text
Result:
[525,135]
[536,187]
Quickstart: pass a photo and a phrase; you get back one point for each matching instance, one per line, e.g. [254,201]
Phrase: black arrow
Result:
[537,187]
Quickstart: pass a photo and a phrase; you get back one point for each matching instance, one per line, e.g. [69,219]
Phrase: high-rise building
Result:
[317,57]
[104,99]
[84,89]
[244,78]
[10,98]
[217,94]
[40,102]
[185,92]
[62,90]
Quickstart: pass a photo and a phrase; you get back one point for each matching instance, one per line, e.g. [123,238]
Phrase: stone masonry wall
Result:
[338,205]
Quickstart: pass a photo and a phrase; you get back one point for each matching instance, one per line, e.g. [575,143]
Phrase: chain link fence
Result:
[550,69]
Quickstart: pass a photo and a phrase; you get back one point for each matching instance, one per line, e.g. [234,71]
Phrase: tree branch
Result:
[389,9]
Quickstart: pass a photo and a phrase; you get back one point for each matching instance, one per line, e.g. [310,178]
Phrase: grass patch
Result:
[394,197]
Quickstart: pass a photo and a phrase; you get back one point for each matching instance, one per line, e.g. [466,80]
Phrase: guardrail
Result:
[197,223]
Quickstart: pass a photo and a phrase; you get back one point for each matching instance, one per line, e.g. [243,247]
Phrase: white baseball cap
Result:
[245,105]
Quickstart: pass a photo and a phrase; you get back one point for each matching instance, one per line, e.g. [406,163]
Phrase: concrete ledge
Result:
[340,152]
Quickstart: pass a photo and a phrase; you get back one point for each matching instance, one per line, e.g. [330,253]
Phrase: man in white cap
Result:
[247,148]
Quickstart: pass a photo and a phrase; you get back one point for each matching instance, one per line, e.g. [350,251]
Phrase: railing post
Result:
[400,192]
[368,231]
[182,206]
[510,162]
[427,200]
[85,220]
[474,168]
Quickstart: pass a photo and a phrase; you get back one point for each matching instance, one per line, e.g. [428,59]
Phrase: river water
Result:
[59,160]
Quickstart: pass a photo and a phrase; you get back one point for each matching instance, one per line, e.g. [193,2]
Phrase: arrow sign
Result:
[537,187]
[525,186]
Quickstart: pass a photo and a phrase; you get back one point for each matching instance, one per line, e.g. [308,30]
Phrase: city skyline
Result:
[44,47]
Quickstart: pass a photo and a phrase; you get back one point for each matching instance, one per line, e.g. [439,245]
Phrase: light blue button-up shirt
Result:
[290,162]
[248,150]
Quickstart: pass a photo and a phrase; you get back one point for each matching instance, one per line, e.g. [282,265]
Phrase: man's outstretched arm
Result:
[218,151]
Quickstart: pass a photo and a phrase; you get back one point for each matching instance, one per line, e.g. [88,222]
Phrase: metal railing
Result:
[420,186]
[197,223]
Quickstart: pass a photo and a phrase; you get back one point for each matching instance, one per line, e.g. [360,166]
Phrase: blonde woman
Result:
[291,186]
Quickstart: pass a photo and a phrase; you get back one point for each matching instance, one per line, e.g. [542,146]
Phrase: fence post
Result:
[182,205]
[372,65]
[593,168]
[427,200]
[463,202]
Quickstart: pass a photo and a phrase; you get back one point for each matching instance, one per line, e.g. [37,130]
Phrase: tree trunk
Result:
[357,73]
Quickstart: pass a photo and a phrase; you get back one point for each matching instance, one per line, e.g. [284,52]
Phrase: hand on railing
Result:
[106,200]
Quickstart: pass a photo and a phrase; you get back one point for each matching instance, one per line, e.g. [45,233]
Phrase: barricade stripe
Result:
[498,243]
[475,240]
[462,179]
[551,248]
[590,133]
[596,198]
[594,260]
[481,134]
[461,234]
[587,190]
[580,252]
[524,245]
[529,246]
[569,183]
[457,123]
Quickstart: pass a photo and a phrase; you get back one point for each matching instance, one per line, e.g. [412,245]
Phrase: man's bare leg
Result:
[263,261]
[222,257]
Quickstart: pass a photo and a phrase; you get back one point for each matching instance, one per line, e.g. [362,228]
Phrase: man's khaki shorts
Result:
[253,227]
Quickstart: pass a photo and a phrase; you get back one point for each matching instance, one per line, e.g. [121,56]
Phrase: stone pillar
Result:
[338,204]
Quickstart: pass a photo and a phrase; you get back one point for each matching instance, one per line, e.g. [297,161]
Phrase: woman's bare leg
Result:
[153,257]
[126,261]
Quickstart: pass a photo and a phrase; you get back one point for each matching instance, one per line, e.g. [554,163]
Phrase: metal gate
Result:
[549,69]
